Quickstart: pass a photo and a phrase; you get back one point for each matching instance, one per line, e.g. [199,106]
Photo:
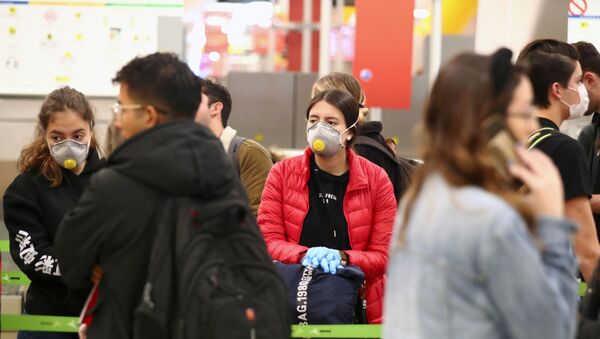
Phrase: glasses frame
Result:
[117,108]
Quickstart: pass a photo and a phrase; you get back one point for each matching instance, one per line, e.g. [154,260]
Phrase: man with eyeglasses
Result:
[109,234]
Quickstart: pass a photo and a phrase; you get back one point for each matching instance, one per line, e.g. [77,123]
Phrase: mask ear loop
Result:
[346,130]
[574,90]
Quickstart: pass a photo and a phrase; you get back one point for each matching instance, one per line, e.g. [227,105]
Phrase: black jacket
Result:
[399,170]
[113,224]
[588,138]
[589,310]
[32,212]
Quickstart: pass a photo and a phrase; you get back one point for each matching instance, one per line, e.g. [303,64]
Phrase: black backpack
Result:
[403,170]
[210,275]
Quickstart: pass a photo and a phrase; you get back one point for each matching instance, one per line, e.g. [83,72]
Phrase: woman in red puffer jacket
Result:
[329,206]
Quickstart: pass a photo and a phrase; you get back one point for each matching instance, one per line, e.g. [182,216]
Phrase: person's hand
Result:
[329,259]
[97,274]
[542,178]
[82,331]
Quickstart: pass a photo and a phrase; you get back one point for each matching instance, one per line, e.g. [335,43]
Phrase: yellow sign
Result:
[62,78]
[456,17]
[12,30]
[12,10]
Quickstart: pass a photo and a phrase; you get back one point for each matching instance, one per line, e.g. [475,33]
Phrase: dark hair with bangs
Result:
[343,101]
[548,61]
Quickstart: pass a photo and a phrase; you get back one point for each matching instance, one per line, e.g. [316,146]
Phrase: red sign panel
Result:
[383,53]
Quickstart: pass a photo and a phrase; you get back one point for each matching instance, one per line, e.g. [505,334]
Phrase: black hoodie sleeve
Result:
[80,235]
[30,244]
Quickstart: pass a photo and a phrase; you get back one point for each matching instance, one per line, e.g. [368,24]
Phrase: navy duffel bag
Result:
[316,297]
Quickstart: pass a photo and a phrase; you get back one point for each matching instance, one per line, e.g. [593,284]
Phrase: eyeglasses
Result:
[118,109]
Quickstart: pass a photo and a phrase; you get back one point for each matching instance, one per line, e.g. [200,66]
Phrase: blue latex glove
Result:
[327,258]
[314,255]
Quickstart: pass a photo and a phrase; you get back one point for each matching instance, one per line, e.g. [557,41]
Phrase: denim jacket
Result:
[469,268]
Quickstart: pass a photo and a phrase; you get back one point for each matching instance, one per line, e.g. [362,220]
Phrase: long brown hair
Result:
[36,155]
[462,98]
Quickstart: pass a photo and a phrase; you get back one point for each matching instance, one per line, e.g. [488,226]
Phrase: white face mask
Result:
[578,110]
[324,139]
[69,153]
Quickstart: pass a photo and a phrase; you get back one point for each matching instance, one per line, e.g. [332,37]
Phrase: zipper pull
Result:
[334,234]
[251,316]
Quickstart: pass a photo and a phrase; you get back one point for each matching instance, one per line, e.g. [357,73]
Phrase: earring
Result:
[348,137]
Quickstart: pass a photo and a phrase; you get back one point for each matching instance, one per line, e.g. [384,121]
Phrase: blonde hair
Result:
[345,82]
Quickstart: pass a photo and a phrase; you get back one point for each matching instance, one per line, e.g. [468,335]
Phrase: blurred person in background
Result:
[250,159]
[472,256]
[589,310]
[588,138]
[113,135]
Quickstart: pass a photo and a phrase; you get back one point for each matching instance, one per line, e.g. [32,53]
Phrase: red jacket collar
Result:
[358,178]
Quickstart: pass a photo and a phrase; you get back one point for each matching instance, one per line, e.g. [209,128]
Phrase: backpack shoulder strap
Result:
[364,140]
[163,218]
[234,147]
[161,251]
[540,135]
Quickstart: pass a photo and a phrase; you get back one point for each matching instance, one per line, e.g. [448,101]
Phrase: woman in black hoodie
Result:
[54,170]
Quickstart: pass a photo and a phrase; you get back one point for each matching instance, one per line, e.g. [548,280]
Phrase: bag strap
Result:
[234,147]
[162,245]
[540,135]
[364,140]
